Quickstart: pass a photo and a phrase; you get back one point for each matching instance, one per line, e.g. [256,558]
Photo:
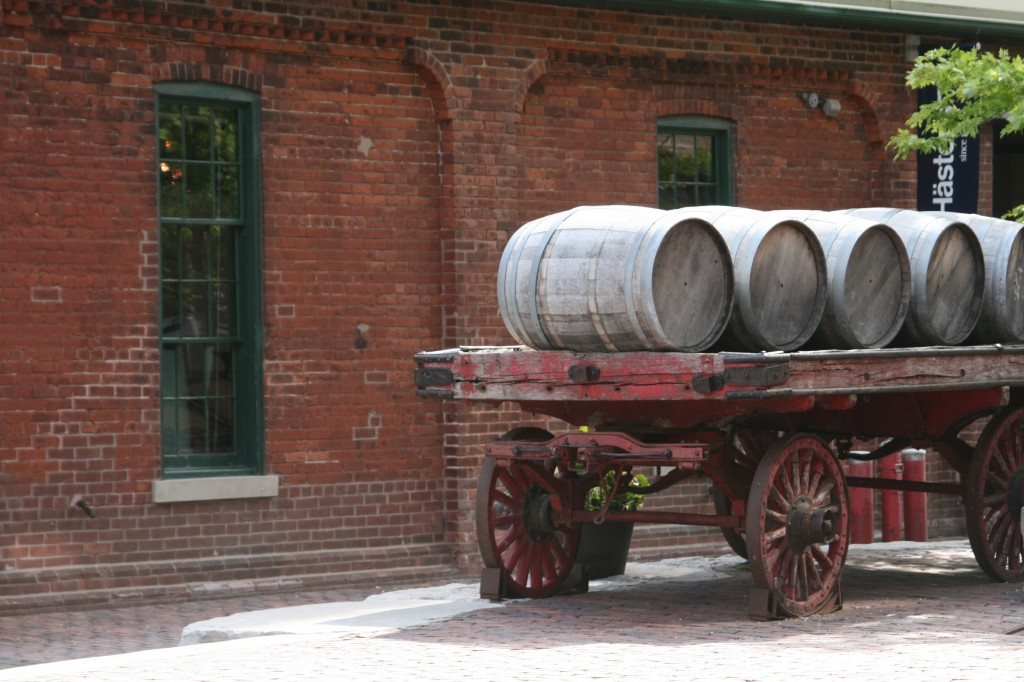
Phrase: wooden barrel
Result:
[780,278]
[868,272]
[1002,306]
[947,275]
[615,278]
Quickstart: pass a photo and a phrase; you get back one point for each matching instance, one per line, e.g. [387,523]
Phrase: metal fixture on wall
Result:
[828,105]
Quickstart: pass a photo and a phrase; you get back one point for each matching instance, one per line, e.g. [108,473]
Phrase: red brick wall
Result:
[400,150]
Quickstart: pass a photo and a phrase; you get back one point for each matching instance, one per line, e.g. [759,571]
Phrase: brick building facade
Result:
[378,157]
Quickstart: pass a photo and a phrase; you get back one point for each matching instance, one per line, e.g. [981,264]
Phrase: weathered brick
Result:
[397,159]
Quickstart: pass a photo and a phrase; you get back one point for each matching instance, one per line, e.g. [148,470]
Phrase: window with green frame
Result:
[210,298]
[694,161]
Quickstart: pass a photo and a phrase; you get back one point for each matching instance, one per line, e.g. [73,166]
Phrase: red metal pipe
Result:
[891,467]
[912,486]
[862,506]
[915,505]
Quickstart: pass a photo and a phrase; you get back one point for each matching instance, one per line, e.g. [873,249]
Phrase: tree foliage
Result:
[973,88]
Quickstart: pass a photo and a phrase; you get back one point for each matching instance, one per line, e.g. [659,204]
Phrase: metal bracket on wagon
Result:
[763,376]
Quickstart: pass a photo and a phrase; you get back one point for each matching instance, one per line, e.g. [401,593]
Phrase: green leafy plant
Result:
[625,498]
[973,89]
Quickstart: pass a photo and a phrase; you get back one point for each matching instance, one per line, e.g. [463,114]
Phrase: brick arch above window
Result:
[709,101]
[210,73]
[196,63]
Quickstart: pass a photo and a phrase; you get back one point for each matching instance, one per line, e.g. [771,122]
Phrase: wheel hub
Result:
[808,525]
[537,515]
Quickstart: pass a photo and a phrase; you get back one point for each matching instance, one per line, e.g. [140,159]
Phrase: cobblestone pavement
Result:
[911,612]
[49,637]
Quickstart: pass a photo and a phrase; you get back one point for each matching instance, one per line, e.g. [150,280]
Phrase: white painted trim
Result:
[1011,11]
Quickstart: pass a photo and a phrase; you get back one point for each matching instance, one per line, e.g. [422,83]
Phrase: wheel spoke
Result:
[994,500]
[805,479]
[502,498]
[1011,451]
[505,520]
[512,488]
[1004,445]
[511,537]
[516,548]
[1014,551]
[784,480]
[792,574]
[781,502]
[998,481]
[815,485]
[771,561]
[824,493]
[998,532]
[822,558]
[536,566]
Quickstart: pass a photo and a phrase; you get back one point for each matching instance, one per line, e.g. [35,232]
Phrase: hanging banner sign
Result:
[948,181]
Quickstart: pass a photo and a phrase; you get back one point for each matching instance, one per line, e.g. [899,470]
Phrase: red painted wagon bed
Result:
[768,429]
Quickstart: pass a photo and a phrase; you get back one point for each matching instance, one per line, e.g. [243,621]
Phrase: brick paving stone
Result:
[911,612]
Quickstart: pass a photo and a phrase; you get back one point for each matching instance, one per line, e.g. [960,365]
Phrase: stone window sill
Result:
[214,488]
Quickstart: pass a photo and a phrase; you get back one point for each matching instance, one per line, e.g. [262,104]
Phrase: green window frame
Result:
[695,161]
[210,298]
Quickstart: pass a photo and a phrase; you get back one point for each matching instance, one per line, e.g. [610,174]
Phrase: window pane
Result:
[196,304]
[170,263]
[227,135]
[170,131]
[199,190]
[222,243]
[193,252]
[228,205]
[686,170]
[707,195]
[222,426]
[666,196]
[168,384]
[704,159]
[223,310]
[170,325]
[197,133]
[172,190]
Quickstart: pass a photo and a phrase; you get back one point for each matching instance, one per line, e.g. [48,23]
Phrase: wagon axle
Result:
[809,525]
[537,514]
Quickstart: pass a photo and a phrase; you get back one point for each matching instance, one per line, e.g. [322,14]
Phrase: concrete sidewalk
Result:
[913,611]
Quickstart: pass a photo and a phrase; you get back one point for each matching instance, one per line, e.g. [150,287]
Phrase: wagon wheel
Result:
[798,525]
[750,446]
[514,527]
[994,496]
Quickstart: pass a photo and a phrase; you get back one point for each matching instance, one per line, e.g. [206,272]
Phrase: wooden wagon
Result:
[769,430]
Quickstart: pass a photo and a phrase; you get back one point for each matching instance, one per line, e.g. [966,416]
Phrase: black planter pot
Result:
[604,548]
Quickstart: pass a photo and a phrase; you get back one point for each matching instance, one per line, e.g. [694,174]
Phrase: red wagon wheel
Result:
[994,496]
[514,526]
[798,525]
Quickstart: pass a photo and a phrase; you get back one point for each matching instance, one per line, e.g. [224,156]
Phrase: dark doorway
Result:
[1007,171]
